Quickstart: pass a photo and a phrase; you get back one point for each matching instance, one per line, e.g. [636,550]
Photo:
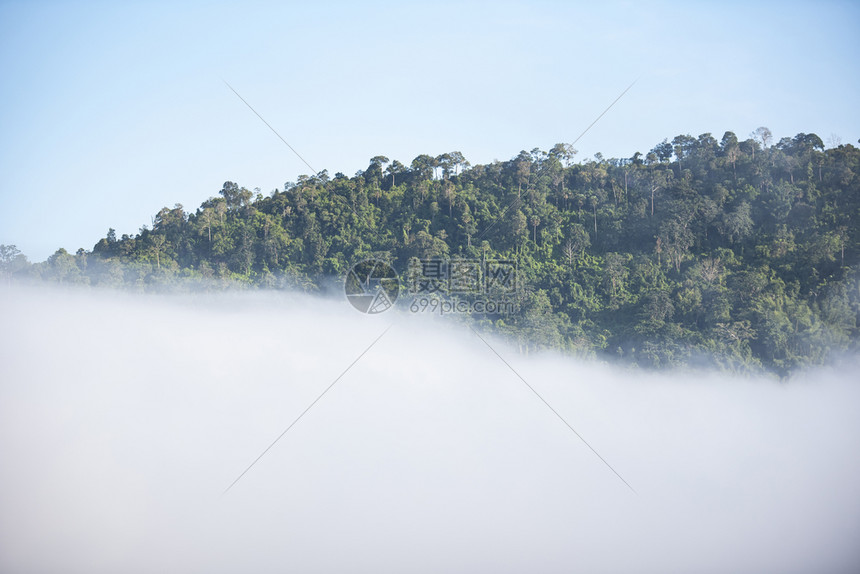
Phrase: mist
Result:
[123,419]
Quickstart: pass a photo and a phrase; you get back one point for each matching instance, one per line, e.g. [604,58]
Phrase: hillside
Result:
[742,254]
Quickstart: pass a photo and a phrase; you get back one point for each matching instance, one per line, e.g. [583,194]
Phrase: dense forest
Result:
[740,254]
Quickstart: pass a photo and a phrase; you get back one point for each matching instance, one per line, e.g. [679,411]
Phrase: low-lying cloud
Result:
[123,418]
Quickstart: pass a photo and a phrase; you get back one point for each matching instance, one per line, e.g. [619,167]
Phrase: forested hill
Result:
[739,252]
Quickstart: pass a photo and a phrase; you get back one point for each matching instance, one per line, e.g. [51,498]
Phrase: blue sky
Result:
[111,111]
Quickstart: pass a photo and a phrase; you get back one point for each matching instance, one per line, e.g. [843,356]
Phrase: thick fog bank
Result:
[124,418]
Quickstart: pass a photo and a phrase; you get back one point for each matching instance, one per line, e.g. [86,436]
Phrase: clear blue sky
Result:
[112,110]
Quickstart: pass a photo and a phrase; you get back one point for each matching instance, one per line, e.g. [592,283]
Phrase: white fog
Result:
[123,418]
